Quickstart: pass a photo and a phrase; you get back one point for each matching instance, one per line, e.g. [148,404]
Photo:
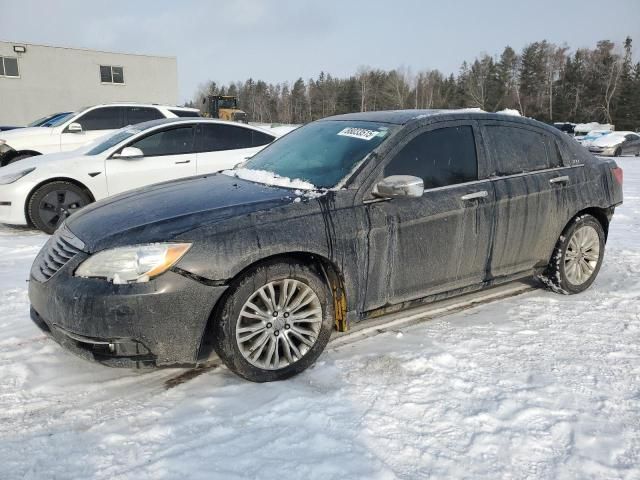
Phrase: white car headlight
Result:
[12,177]
[135,264]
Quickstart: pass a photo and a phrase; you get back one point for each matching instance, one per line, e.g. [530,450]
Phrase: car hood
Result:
[26,132]
[610,140]
[163,211]
[38,161]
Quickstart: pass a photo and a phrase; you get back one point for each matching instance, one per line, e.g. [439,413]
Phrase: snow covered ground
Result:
[535,386]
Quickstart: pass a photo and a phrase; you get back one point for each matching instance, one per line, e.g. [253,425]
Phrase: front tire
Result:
[618,152]
[53,202]
[577,257]
[275,322]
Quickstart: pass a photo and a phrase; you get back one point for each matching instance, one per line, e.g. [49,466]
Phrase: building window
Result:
[110,74]
[9,67]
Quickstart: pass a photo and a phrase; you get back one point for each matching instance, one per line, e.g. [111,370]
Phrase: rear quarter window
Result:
[185,113]
[518,150]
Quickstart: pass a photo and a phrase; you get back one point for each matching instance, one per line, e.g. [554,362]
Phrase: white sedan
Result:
[43,190]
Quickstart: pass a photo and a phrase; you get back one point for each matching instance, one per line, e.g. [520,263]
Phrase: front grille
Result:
[59,249]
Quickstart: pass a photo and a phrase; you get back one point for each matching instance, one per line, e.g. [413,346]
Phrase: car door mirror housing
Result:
[399,186]
[129,152]
[74,127]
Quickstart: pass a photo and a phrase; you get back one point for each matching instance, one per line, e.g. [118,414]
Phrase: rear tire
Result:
[53,202]
[275,321]
[577,256]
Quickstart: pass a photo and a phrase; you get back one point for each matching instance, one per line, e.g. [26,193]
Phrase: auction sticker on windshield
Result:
[361,133]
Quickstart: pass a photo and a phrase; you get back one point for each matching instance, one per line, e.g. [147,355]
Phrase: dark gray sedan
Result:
[336,222]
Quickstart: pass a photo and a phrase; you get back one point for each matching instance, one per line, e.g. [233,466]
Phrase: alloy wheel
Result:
[582,255]
[279,324]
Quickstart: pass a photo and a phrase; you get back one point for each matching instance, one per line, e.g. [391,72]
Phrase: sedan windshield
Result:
[49,120]
[112,140]
[320,153]
[56,122]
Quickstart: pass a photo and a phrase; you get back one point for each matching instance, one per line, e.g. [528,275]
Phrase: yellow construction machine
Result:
[224,107]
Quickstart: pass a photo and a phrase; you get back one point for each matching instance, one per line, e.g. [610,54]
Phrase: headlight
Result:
[12,177]
[134,264]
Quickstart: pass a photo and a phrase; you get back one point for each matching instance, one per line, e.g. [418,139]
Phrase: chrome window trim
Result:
[533,172]
[479,182]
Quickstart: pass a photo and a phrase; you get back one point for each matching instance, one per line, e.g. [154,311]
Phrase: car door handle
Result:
[474,195]
[183,161]
[563,179]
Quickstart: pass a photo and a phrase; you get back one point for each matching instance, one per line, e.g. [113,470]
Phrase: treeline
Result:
[544,81]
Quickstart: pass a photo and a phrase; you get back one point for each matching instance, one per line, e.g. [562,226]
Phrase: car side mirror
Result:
[74,127]
[129,153]
[399,186]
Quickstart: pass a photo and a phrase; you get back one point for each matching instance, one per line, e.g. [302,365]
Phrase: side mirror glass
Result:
[74,127]
[129,152]
[399,186]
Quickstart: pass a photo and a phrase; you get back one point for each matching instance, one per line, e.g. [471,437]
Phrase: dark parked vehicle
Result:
[408,207]
[565,127]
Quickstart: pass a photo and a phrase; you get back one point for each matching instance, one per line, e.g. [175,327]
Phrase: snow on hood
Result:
[609,140]
[269,178]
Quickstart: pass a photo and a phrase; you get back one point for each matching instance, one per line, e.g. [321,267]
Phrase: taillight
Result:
[617,174]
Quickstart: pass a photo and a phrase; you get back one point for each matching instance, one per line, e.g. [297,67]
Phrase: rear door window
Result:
[446,156]
[175,141]
[518,150]
[103,118]
[217,137]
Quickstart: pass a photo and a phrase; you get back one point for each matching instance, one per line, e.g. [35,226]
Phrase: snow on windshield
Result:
[269,178]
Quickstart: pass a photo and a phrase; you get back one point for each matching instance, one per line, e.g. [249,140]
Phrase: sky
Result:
[281,40]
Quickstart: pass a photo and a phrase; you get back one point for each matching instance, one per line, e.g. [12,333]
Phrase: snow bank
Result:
[269,178]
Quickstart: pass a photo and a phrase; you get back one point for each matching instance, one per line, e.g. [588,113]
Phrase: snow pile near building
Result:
[269,178]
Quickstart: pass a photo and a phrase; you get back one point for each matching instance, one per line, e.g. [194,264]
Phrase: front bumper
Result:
[158,323]
[12,203]
[605,152]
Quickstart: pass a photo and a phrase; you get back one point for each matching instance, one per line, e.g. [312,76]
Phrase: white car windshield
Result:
[112,140]
[59,121]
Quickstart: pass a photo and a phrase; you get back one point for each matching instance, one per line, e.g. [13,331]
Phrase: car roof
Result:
[404,117]
[168,121]
[137,104]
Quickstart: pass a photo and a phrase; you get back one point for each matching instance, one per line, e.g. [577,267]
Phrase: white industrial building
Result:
[37,80]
